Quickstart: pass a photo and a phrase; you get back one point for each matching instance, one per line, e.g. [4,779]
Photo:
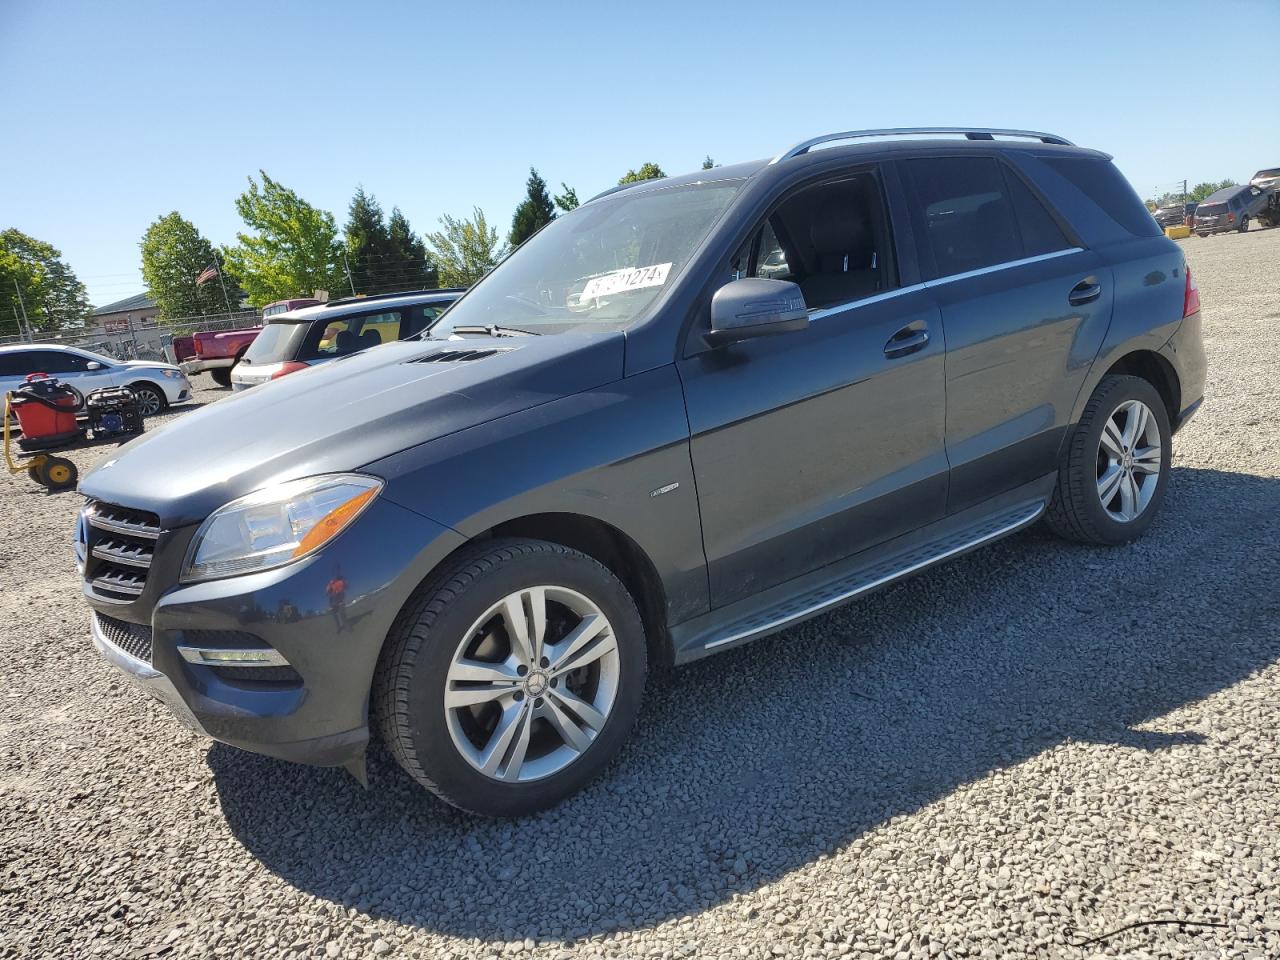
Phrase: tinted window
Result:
[275,343]
[831,239]
[425,316]
[16,364]
[968,219]
[1040,232]
[343,335]
[1101,182]
[55,361]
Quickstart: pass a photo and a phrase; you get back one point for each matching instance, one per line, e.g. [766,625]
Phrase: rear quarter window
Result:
[274,343]
[1101,182]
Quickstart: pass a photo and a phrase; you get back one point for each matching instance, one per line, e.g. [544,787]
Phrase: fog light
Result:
[238,657]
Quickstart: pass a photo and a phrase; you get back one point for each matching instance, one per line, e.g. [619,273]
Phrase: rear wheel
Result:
[150,399]
[1244,223]
[512,678]
[1116,466]
[221,376]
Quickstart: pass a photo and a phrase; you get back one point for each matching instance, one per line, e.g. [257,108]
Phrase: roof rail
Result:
[969,133]
[389,296]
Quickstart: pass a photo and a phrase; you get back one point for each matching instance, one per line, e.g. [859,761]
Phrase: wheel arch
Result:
[1157,371]
[612,548]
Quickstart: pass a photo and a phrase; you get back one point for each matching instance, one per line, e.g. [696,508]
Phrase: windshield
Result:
[600,266]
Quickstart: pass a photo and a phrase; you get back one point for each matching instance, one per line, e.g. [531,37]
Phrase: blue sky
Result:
[116,113]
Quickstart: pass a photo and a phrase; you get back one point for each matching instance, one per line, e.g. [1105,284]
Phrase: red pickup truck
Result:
[218,351]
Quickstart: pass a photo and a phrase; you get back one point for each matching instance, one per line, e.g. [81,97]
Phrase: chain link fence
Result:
[150,339]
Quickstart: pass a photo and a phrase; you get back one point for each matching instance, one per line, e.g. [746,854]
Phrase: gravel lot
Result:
[1012,755]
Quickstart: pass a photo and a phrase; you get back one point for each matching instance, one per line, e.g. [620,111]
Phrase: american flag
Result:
[209,274]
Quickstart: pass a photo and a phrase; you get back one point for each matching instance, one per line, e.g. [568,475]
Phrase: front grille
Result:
[133,638]
[118,547]
[280,676]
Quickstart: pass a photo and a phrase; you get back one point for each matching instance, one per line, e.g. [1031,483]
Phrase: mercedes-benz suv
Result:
[693,412]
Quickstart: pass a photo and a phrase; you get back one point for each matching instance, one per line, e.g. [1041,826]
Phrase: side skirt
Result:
[822,590]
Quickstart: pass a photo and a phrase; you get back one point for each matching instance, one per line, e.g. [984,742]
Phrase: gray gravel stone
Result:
[1027,749]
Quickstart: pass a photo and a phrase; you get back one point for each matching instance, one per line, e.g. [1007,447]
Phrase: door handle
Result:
[1086,291]
[907,340]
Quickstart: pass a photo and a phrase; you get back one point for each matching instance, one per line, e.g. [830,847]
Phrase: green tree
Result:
[465,250]
[1202,190]
[708,163]
[174,254]
[649,171]
[568,200]
[293,250]
[534,212]
[368,244]
[33,274]
[414,269]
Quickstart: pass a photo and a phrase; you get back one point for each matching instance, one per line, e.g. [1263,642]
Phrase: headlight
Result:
[277,525]
[172,374]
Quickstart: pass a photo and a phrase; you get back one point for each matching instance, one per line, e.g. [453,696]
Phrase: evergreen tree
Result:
[534,212]
[368,244]
[708,163]
[414,269]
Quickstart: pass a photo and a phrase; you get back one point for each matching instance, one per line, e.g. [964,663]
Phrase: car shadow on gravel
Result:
[750,765]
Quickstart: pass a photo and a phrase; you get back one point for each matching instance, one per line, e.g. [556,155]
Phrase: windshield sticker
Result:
[630,278]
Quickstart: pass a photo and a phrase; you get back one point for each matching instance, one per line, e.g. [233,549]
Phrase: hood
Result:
[344,414]
[150,364]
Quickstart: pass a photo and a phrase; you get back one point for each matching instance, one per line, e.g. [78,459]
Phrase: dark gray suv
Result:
[691,413]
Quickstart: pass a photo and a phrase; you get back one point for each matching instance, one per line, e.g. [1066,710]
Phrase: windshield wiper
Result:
[493,330]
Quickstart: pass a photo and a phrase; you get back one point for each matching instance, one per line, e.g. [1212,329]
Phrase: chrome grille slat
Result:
[120,543]
[125,553]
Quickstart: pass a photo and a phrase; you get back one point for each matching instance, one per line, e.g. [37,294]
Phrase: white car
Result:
[156,385]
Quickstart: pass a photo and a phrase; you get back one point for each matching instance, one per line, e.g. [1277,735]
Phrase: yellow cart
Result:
[52,472]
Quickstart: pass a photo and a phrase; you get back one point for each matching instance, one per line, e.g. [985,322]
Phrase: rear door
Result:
[812,445]
[1024,308]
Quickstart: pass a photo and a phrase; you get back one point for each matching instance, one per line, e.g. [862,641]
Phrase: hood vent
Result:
[459,356]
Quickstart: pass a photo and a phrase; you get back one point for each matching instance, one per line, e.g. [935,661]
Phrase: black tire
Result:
[152,396]
[59,473]
[1075,510]
[1244,223]
[35,470]
[221,376]
[409,688]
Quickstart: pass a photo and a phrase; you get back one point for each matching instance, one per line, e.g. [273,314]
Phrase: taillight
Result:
[293,366]
[1190,296]
[1231,218]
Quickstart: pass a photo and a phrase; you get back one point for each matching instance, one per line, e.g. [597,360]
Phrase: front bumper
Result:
[317,711]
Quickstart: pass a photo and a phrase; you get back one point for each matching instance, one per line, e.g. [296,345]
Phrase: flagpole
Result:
[222,283]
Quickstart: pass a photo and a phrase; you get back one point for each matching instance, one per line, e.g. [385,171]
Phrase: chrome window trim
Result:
[823,312]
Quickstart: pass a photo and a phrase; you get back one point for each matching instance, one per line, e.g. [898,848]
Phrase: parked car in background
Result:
[1229,209]
[218,351]
[296,339]
[1269,178]
[156,385]
[624,445]
[283,306]
[1171,216]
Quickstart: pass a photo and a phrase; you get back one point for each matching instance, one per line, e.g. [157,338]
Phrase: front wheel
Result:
[1116,466]
[512,678]
[150,400]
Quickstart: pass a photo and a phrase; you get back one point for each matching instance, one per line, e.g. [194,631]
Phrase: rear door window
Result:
[15,364]
[340,336]
[965,214]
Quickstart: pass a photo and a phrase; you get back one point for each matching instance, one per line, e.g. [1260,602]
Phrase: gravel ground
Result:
[1009,756]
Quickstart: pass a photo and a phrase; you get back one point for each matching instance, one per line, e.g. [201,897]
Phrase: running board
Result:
[820,591]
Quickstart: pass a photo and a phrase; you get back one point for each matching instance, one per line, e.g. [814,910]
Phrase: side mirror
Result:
[93,365]
[755,307]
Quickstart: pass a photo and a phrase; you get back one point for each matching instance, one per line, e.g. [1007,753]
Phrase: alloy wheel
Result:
[532,683]
[149,402]
[1130,456]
